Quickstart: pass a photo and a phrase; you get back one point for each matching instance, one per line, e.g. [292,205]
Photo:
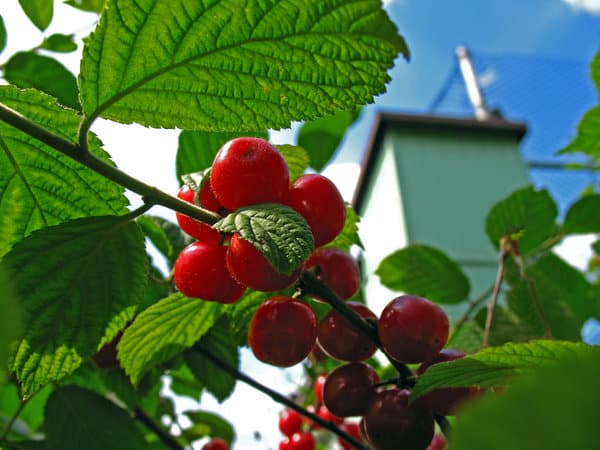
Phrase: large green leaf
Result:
[219,341]
[30,70]
[38,185]
[10,319]
[279,232]
[584,215]
[426,271]
[526,215]
[556,408]
[322,137]
[79,283]
[296,159]
[164,330]
[197,149]
[40,12]
[80,419]
[235,65]
[494,366]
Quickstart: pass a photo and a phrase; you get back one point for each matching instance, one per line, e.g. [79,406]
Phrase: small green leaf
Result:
[525,215]
[234,65]
[217,426]
[555,408]
[425,271]
[87,5]
[279,232]
[164,330]
[583,216]
[2,35]
[39,12]
[178,240]
[322,137]
[38,185]
[494,366]
[349,235]
[296,159]
[30,70]
[10,319]
[218,340]
[157,235]
[61,43]
[80,419]
[79,283]
[587,140]
[197,149]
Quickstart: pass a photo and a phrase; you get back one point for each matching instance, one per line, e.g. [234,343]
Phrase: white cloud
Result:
[591,6]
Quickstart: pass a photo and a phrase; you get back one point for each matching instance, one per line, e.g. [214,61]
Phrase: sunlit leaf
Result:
[87,5]
[61,43]
[584,215]
[296,159]
[40,12]
[2,35]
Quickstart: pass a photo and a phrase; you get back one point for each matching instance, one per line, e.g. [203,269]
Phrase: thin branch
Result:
[14,418]
[168,440]
[276,396]
[473,305]
[497,284]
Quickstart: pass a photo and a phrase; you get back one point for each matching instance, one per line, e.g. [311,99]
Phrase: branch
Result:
[168,440]
[150,193]
[473,304]
[276,396]
[497,284]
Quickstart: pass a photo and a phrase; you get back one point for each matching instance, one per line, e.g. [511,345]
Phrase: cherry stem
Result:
[168,440]
[276,396]
[497,284]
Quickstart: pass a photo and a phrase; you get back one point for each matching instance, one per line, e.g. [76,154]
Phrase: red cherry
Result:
[337,269]
[216,444]
[438,442]
[200,272]
[412,329]
[349,389]
[282,331]
[290,422]
[249,267]
[298,441]
[352,429]
[341,340]
[318,387]
[318,200]
[195,228]
[445,401]
[247,171]
[392,424]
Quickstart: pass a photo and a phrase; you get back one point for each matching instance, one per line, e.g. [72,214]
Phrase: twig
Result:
[14,418]
[497,284]
[473,304]
[168,440]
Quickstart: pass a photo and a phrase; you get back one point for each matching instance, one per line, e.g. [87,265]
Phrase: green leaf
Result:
[10,319]
[39,12]
[157,235]
[468,337]
[506,326]
[87,5]
[587,140]
[30,70]
[218,340]
[216,425]
[164,330]
[425,271]
[583,216]
[39,186]
[2,35]
[279,232]
[296,159]
[525,215]
[197,149]
[178,240]
[61,43]
[80,419]
[555,408]
[349,235]
[240,313]
[495,366]
[79,283]
[235,65]
[322,137]
[31,418]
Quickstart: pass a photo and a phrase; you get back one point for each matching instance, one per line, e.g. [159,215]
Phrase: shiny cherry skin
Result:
[249,267]
[290,422]
[318,387]
[200,272]
[341,340]
[412,329]
[282,331]
[216,444]
[349,389]
[318,200]
[337,269]
[247,171]
[445,401]
[392,424]
[298,441]
[351,429]
[192,227]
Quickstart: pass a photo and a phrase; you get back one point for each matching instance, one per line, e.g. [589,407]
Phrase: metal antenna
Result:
[473,89]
